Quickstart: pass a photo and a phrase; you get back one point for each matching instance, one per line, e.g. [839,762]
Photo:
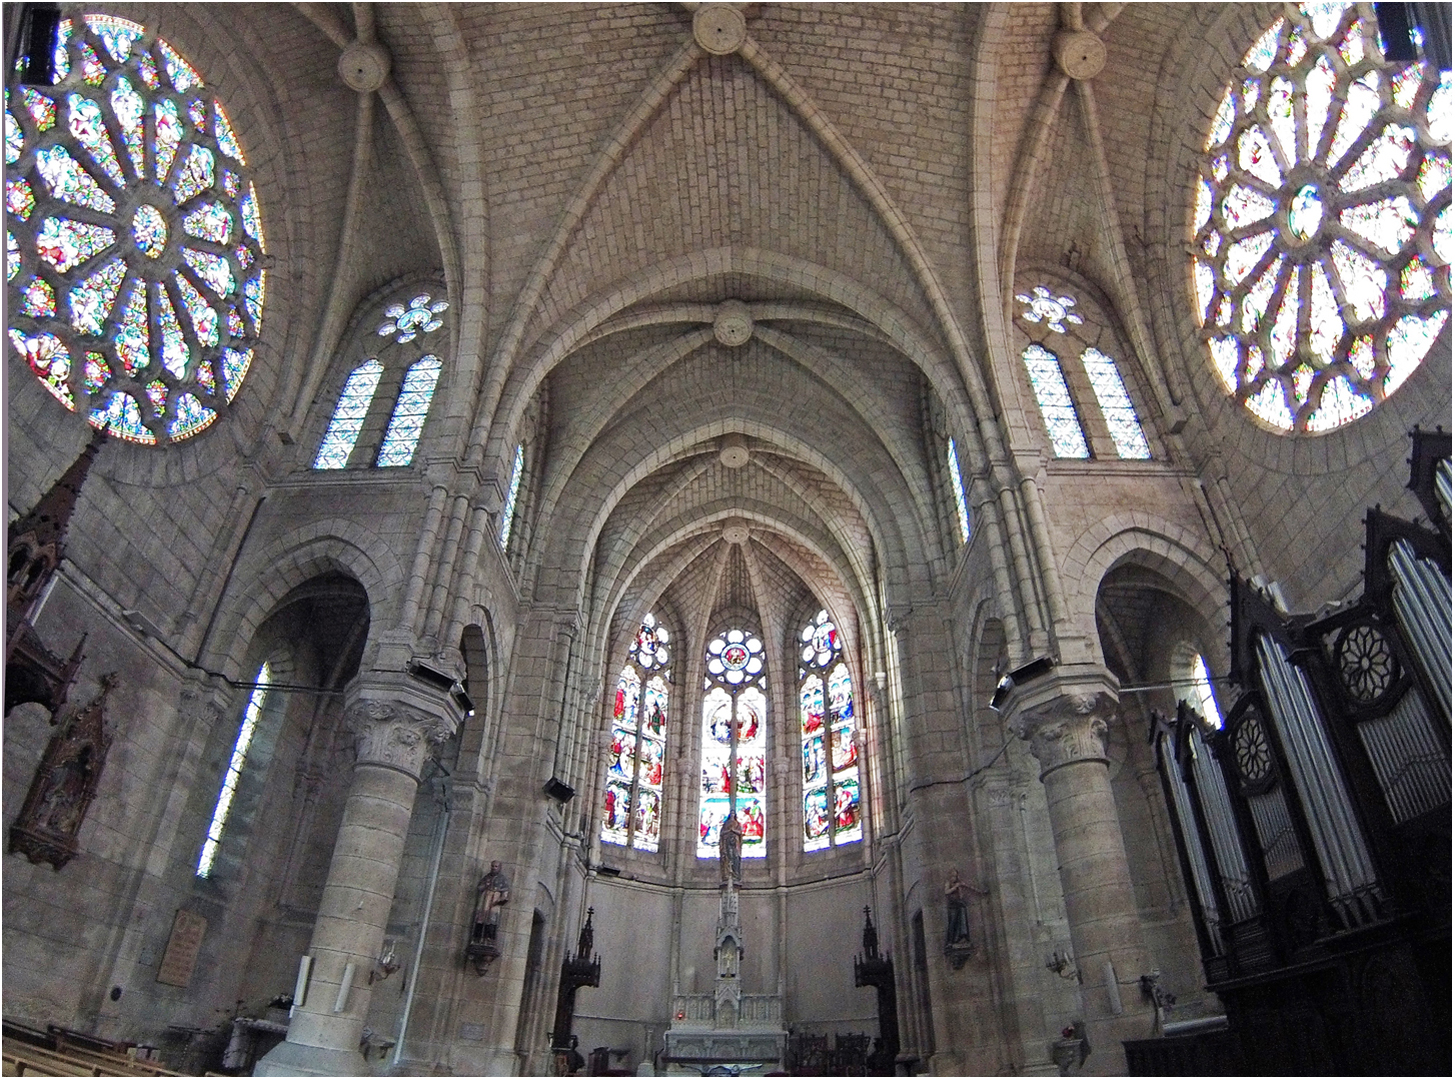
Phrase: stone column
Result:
[396,723]
[1066,722]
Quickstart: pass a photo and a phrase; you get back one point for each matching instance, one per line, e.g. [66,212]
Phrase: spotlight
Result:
[1019,677]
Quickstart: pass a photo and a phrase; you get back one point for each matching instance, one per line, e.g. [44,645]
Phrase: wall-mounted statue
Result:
[491,894]
[958,943]
[65,783]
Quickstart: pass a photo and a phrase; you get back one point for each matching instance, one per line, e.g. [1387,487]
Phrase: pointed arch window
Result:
[632,802]
[404,359]
[831,796]
[1207,704]
[1068,440]
[246,730]
[734,743]
[348,416]
[1116,405]
[962,509]
[507,515]
[410,409]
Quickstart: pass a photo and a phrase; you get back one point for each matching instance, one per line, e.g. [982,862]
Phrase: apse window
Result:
[134,247]
[251,714]
[734,743]
[831,796]
[1322,232]
[957,484]
[632,802]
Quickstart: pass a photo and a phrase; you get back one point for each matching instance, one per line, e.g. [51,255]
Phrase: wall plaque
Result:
[182,949]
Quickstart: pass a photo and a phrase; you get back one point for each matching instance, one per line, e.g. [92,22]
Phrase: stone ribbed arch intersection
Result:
[841,294]
[617,463]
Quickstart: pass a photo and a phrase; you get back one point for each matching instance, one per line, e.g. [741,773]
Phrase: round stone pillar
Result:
[1066,727]
[395,734]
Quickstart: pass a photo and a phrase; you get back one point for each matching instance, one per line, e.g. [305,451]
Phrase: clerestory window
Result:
[1060,327]
[408,329]
[957,484]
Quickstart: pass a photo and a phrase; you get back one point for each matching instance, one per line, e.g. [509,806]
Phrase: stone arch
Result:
[265,578]
[1178,554]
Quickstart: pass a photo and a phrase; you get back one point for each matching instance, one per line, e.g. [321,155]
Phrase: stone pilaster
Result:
[1065,721]
[397,723]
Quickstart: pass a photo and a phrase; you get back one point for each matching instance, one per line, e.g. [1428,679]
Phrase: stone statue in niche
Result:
[65,783]
[730,850]
[491,895]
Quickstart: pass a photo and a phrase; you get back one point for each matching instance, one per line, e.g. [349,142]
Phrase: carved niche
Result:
[65,783]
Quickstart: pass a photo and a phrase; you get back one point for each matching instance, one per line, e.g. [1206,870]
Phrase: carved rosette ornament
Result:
[396,735]
[1066,730]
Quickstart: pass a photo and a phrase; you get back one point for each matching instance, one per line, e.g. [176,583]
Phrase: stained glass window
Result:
[348,416]
[246,730]
[1343,158]
[132,233]
[962,509]
[507,514]
[734,743]
[1116,406]
[1049,384]
[410,409]
[831,797]
[632,802]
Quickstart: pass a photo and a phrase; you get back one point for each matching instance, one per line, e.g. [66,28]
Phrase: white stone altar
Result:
[726,1030]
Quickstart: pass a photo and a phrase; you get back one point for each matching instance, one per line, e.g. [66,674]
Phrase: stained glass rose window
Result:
[134,239]
[1322,229]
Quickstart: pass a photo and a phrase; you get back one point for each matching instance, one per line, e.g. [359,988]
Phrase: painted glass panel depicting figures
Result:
[734,744]
[637,753]
[829,733]
[113,223]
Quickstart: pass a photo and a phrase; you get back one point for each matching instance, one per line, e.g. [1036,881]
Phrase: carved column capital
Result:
[1066,729]
[396,734]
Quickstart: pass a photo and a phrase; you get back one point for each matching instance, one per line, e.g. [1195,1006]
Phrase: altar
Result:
[726,1032]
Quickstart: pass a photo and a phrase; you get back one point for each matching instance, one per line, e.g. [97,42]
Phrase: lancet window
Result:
[1322,233]
[358,413]
[734,743]
[957,484]
[133,235]
[1059,326]
[831,795]
[251,715]
[512,496]
[632,801]
[1054,398]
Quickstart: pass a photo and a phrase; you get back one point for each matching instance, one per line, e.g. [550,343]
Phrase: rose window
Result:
[134,240]
[1322,228]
